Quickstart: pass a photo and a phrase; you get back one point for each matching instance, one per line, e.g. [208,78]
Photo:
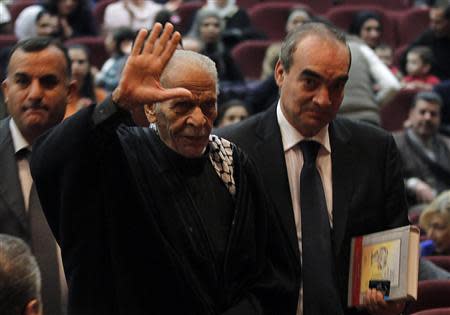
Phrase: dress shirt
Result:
[294,163]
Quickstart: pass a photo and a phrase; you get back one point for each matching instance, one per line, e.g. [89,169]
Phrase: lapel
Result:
[10,188]
[269,149]
[343,158]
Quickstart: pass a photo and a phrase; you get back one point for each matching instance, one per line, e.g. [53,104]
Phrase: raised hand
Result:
[140,81]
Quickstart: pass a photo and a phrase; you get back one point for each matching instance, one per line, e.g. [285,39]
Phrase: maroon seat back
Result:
[431,294]
[249,55]
[17,6]
[384,4]
[318,6]
[99,11]
[395,112]
[186,11]
[435,311]
[411,23]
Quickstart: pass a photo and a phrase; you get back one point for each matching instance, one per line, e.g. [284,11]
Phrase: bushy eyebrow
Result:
[307,73]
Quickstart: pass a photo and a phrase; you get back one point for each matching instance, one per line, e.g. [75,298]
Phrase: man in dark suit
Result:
[36,90]
[359,166]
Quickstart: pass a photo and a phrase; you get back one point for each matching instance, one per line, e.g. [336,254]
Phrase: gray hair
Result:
[428,96]
[187,58]
[289,45]
[20,278]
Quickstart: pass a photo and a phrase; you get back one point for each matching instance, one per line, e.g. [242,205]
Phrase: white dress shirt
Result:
[294,163]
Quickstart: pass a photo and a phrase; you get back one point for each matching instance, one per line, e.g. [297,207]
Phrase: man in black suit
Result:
[36,90]
[359,165]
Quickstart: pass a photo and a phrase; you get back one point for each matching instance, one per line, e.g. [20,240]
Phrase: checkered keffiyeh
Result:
[221,156]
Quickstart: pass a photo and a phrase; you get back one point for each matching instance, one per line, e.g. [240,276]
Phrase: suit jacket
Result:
[13,218]
[368,190]
[415,166]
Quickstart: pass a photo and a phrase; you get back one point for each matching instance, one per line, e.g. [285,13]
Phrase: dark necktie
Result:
[44,249]
[320,295]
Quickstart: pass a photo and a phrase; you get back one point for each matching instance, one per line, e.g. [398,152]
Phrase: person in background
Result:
[231,112]
[435,220]
[386,55]
[118,44]
[437,37]
[425,152]
[207,28]
[134,14]
[47,24]
[419,62]
[75,18]
[20,278]
[86,93]
[367,26]
[5,19]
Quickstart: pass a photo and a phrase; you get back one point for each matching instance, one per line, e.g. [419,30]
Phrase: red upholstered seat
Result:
[249,55]
[435,311]
[17,6]
[411,23]
[270,17]
[342,15]
[395,112]
[319,6]
[186,11]
[431,294]
[99,11]
[383,4]
[7,40]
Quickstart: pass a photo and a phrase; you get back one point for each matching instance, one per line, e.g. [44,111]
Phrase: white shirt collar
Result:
[291,136]
[19,141]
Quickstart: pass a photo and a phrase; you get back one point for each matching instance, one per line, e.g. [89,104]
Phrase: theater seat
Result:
[435,311]
[411,23]
[342,15]
[270,17]
[99,11]
[186,11]
[17,6]
[383,4]
[98,54]
[318,6]
[249,55]
[395,112]
[431,294]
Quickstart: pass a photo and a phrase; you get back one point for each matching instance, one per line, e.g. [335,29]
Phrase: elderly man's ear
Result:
[33,307]
[150,113]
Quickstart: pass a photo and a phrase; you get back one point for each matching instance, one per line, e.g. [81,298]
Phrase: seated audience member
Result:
[367,26]
[134,14]
[47,24]
[5,19]
[437,38]
[207,28]
[386,55]
[75,18]
[237,22]
[425,153]
[370,84]
[419,61]
[85,93]
[20,279]
[118,44]
[231,112]
[435,220]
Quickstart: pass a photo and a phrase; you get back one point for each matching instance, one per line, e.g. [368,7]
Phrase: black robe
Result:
[131,238]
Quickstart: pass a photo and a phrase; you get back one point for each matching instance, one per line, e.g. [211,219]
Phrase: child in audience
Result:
[435,220]
[386,54]
[419,61]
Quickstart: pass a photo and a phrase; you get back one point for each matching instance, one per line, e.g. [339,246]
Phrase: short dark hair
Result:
[428,96]
[425,54]
[120,35]
[42,13]
[292,39]
[360,18]
[20,278]
[36,44]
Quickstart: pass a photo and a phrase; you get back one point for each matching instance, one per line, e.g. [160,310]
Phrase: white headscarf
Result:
[229,10]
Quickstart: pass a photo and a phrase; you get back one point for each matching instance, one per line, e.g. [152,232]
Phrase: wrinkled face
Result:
[66,7]
[297,18]
[439,232]
[311,92]
[48,25]
[80,63]
[210,30]
[425,118]
[185,124]
[371,32]
[414,64]
[385,55]
[438,23]
[233,115]
[36,90]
